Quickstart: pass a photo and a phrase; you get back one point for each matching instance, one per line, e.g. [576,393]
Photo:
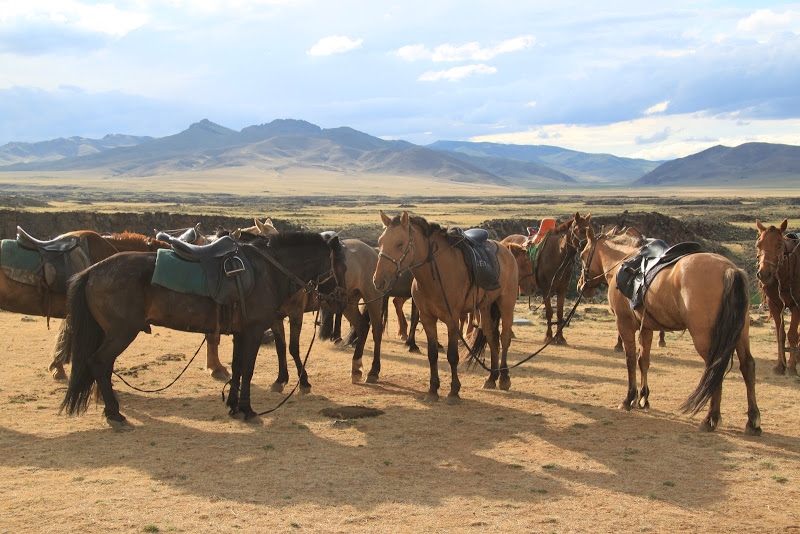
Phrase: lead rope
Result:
[168,385]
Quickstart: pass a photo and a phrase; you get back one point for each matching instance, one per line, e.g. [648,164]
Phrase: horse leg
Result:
[375,309]
[548,311]
[747,365]
[245,351]
[702,344]
[411,342]
[279,332]
[618,346]
[661,341]
[629,343]
[295,326]
[429,325]
[102,366]
[506,333]
[402,323]
[792,335]
[361,325]
[453,336]
[645,342]
[336,335]
[562,295]
[56,366]
[780,336]
[213,365]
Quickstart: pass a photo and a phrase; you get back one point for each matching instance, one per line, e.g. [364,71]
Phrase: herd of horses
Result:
[109,303]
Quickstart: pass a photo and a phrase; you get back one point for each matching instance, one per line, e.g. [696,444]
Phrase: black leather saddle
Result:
[480,255]
[636,274]
[60,258]
[229,274]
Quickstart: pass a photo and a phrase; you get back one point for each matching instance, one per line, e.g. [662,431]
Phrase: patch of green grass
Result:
[768,465]
[294,524]
[268,447]
[580,425]
[515,466]
[780,480]
[549,466]
[651,496]
[151,528]
[669,483]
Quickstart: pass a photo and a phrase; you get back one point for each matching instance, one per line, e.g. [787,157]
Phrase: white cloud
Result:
[661,107]
[531,104]
[766,20]
[457,73]
[100,18]
[334,44]
[467,52]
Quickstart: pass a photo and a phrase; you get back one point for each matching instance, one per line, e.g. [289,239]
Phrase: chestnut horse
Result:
[443,291]
[113,300]
[779,278]
[39,300]
[703,293]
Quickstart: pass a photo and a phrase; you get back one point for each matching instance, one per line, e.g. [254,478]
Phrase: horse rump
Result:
[725,335]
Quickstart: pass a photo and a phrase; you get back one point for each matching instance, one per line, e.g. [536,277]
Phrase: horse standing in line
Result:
[412,243]
[703,293]
[114,300]
[779,278]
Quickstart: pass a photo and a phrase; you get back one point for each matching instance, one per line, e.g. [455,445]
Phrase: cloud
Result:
[661,107]
[657,137]
[334,44]
[103,18]
[457,73]
[766,20]
[467,52]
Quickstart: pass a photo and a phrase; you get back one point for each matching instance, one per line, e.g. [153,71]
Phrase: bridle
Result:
[778,255]
[398,263]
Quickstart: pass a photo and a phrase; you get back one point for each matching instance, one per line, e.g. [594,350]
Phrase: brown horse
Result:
[527,278]
[779,278]
[40,300]
[112,301]
[443,292]
[703,293]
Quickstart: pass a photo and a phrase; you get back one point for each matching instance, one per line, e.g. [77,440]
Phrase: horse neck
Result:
[611,255]
[99,247]
[307,263]
[422,252]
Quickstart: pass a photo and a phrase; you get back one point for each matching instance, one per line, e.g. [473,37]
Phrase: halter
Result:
[399,270]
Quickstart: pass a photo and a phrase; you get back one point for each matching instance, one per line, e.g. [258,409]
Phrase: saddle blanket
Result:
[28,267]
[179,275]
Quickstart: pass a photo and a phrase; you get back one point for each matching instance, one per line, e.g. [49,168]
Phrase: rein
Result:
[168,385]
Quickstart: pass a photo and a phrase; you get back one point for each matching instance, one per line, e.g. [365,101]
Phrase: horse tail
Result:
[86,336]
[325,323]
[385,312]
[725,336]
[477,339]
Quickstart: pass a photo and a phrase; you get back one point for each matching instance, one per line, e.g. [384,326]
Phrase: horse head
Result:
[770,249]
[592,272]
[395,250]
[577,229]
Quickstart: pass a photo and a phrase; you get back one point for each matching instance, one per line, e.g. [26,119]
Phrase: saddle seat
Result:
[637,273]
[216,249]
[59,244]
[480,255]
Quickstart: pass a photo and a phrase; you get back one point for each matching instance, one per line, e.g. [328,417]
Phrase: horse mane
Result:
[292,238]
[129,236]
[627,240]
[563,227]
[428,227]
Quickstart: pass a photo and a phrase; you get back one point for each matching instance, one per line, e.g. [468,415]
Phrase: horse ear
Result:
[404,218]
[760,226]
[784,224]
[268,221]
[260,226]
[590,233]
[385,218]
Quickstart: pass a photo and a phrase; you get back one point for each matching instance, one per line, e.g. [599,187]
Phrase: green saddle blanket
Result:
[14,256]
[179,275]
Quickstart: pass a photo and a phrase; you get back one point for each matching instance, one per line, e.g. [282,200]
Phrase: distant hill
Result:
[61,148]
[750,164]
[580,166]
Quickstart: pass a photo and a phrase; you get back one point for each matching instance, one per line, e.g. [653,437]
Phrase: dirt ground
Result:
[554,454]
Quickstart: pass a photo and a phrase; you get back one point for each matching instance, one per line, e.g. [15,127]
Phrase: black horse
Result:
[114,300]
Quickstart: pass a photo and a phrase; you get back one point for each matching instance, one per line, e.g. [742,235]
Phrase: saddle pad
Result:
[20,264]
[179,275]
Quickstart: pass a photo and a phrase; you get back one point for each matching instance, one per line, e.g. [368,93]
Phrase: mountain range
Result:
[299,145]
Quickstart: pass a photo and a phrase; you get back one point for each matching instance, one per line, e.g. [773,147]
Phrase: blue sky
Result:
[655,80]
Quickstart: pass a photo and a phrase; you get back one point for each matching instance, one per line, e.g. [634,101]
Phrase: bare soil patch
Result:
[554,454]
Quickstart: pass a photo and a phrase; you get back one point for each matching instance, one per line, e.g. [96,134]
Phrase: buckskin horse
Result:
[703,293]
[779,277]
[35,297]
[114,300]
[443,290]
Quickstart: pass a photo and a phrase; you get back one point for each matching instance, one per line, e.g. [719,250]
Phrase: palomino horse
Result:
[112,301]
[703,293]
[410,242]
[779,277]
[39,300]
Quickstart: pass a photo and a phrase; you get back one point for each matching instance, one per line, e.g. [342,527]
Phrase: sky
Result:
[653,80]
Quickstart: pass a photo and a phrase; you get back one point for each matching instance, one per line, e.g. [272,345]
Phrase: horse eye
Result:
[400,245]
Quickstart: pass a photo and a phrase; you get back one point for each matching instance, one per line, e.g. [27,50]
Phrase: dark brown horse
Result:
[38,299]
[443,291]
[114,300]
[703,293]
[779,277]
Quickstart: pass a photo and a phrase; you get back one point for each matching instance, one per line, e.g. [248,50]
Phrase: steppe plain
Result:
[553,454]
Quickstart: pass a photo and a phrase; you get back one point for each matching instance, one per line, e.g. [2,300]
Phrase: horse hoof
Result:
[561,341]
[277,387]
[251,417]
[413,349]
[505,384]
[779,369]
[625,405]
[619,349]
[489,384]
[750,430]
[792,371]
[453,400]
[431,397]
[305,390]
[59,374]
[220,374]
[355,378]
[644,404]
[119,426]
[371,379]
[662,344]
[705,426]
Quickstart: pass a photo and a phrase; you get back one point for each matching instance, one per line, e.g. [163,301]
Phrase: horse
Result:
[410,242]
[703,293]
[19,297]
[527,278]
[779,278]
[113,300]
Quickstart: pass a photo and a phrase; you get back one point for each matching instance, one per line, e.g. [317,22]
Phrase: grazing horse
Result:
[40,300]
[779,278]
[114,300]
[443,291]
[703,293]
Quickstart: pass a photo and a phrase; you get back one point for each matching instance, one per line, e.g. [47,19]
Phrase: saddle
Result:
[58,260]
[228,273]
[635,275]
[480,255]
[790,240]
